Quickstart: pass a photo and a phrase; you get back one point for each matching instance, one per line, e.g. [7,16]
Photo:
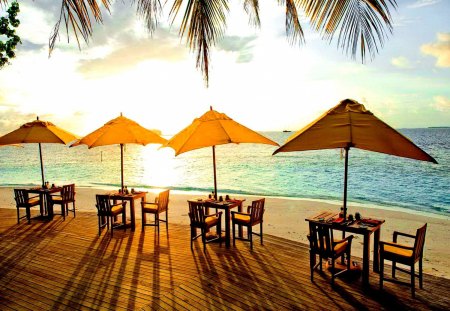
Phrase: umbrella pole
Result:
[42,165]
[345,181]
[121,166]
[214,167]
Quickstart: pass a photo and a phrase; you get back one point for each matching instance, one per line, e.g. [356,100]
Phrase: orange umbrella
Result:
[38,132]
[120,131]
[211,129]
[348,125]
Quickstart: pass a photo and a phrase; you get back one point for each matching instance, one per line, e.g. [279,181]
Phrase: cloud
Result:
[441,103]
[401,62]
[439,49]
[28,46]
[241,45]
[422,3]
[131,54]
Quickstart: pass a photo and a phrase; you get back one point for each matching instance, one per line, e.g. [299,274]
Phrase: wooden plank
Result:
[66,265]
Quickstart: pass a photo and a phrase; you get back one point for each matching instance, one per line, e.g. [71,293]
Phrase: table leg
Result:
[49,206]
[366,258]
[240,230]
[376,255]
[132,216]
[227,226]
[42,204]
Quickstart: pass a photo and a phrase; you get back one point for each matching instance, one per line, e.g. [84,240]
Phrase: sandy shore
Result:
[286,218]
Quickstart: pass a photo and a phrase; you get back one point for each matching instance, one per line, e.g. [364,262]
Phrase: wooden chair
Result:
[323,244]
[160,205]
[403,254]
[23,200]
[201,220]
[67,196]
[107,212]
[254,216]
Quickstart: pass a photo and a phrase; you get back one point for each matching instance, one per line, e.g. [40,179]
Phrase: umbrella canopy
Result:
[348,125]
[120,131]
[38,132]
[211,129]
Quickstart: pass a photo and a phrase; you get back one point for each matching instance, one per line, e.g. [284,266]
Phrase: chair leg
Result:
[28,214]
[261,231]
[144,219]
[167,221]
[234,234]
[204,239]
[381,270]
[250,235]
[420,274]
[394,267]
[63,211]
[18,215]
[413,281]
[332,271]
[99,225]
[157,221]
[312,263]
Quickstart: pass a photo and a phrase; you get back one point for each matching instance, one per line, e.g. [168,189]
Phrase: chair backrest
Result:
[320,239]
[196,213]
[257,211]
[21,196]
[163,200]
[103,204]
[68,192]
[419,242]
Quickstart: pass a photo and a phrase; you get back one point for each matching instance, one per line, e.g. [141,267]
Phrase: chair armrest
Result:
[34,196]
[382,243]
[397,233]
[240,213]
[348,238]
[151,203]
[219,214]
[124,203]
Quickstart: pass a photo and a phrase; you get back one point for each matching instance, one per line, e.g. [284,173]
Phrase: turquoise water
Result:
[374,178]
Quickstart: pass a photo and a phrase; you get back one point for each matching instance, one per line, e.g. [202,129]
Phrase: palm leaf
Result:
[251,7]
[361,24]
[205,22]
[149,10]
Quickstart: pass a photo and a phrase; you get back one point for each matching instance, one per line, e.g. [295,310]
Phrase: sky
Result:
[256,76]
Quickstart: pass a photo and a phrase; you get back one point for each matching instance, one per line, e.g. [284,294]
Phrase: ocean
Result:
[374,179]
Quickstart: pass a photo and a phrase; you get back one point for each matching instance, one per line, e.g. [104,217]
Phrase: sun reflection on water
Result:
[159,167]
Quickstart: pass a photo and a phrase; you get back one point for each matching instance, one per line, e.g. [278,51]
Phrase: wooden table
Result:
[356,227]
[115,196]
[46,208]
[226,206]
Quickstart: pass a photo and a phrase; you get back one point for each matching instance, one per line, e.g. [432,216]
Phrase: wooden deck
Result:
[60,265]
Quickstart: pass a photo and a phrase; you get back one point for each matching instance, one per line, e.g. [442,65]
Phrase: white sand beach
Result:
[285,218]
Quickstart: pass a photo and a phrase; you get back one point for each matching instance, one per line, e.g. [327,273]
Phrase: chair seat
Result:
[398,251]
[34,201]
[242,219]
[339,248]
[116,210]
[57,198]
[211,221]
[150,207]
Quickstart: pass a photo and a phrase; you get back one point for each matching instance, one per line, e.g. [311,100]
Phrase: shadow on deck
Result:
[66,265]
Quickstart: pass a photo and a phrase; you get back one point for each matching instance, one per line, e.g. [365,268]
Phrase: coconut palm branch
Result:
[359,26]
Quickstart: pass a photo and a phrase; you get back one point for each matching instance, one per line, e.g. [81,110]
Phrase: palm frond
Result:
[77,17]
[205,22]
[150,11]
[361,25]
[251,7]
[294,29]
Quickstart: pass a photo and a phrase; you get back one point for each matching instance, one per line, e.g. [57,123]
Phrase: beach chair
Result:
[200,220]
[403,254]
[23,200]
[107,213]
[253,217]
[160,205]
[322,244]
[67,196]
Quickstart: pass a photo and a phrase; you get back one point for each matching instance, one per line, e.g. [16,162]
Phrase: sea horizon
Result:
[376,180]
